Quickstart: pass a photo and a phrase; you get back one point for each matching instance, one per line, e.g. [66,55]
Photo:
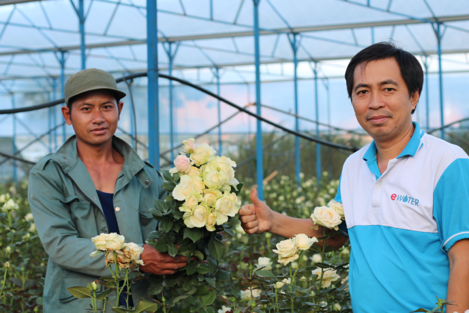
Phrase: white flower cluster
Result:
[329,216]
[10,205]
[205,186]
[288,249]
[127,253]
[329,276]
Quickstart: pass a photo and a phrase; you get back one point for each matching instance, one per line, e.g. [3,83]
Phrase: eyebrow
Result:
[384,82]
[89,104]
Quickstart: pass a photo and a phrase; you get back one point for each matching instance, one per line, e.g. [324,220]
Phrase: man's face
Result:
[381,99]
[94,116]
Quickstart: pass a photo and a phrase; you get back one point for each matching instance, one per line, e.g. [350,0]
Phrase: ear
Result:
[414,99]
[66,113]
[120,105]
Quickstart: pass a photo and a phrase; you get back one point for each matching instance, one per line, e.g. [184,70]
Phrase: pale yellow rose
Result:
[303,242]
[211,196]
[93,286]
[286,248]
[316,258]
[114,242]
[329,276]
[197,217]
[132,251]
[29,217]
[338,207]
[327,217]
[280,284]
[186,186]
[189,145]
[264,263]
[211,221]
[250,293]
[10,205]
[192,201]
[224,309]
[194,171]
[214,179]
[286,260]
[32,228]
[224,208]
[202,154]
[100,242]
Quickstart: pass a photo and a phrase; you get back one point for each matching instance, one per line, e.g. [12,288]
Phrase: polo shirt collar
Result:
[410,150]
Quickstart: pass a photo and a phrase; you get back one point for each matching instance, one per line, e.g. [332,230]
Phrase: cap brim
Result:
[117,92]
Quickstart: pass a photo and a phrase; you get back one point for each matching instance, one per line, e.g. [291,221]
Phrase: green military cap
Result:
[88,80]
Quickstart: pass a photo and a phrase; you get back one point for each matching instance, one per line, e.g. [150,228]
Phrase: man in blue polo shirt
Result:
[405,196]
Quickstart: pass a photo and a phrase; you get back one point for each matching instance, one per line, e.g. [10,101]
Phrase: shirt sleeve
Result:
[451,203]
[343,226]
[57,231]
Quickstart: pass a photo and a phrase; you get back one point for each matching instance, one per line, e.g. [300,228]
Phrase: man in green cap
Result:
[95,183]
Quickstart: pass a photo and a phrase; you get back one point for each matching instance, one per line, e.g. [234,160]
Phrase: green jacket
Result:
[68,213]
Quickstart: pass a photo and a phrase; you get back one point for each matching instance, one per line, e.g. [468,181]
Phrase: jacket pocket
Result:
[84,218]
[68,282]
[146,218]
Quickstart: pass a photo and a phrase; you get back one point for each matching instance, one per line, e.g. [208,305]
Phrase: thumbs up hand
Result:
[256,217]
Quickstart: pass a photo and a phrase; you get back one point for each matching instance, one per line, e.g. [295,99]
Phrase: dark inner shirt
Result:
[107,204]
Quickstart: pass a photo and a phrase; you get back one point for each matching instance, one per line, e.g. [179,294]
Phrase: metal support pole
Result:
[132,124]
[15,173]
[329,122]
[427,100]
[318,146]
[294,45]
[171,55]
[153,92]
[62,85]
[217,75]
[440,79]
[81,18]
[259,144]
[54,112]
[49,121]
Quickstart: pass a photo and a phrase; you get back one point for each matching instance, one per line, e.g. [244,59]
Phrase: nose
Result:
[98,117]
[376,101]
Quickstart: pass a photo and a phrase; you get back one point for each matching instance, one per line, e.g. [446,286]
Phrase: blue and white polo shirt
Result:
[403,222]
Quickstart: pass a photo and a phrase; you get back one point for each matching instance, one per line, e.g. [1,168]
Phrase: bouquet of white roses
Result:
[204,196]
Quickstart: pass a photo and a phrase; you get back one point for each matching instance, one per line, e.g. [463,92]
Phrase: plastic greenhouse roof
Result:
[219,33]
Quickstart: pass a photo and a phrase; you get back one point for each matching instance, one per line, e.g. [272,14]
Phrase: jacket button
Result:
[147,182]
[117,209]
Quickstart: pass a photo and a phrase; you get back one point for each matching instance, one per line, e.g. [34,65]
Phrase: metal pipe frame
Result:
[318,146]
[259,139]
[153,91]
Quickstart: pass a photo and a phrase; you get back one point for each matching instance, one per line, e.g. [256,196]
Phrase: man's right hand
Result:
[257,217]
[160,263]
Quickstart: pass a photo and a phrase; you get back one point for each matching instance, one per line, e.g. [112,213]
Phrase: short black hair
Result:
[410,67]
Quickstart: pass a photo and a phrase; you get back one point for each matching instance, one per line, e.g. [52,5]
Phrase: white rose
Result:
[6,264]
[10,205]
[183,164]
[250,294]
[29,217]
[214,179]
[132,251]
[211,221]
[303,242]
[186,186]
[202,154]
[329,276]
[197,217]
[345,251]
[337,307]
[189,145]
[286,260]
[211,196]
[265,263]
[224,208]
[280,284]
[338,207]
[327,217]
[193,171]
[316,258]
[286,248]
[32,228]
[191,202]
[114,242]
[224,309]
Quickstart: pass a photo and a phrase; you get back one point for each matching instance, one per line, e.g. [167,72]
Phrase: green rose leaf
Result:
[213,264]
[228,230]
[420,310]
[177,299]
[103,294]
[177,214]
[195,234]
[209,310]
[80,292]
[146,306]
[155,289]
[198,255]
[156,213]
[167,224]
[161,205]
[209,298]
[216,248]
[161,245]
[222,275]
[169,186]
[39,301]
[265,273]
[167,175]
[172,250]
[191,268]
[119,310]
[237,189]
[210,281]
[203,269]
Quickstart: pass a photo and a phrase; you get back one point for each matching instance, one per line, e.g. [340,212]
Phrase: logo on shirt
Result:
[405,199]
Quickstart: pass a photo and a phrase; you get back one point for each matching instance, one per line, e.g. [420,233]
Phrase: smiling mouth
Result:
[378,119]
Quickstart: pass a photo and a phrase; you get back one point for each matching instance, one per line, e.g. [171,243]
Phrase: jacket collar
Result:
[67,158]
